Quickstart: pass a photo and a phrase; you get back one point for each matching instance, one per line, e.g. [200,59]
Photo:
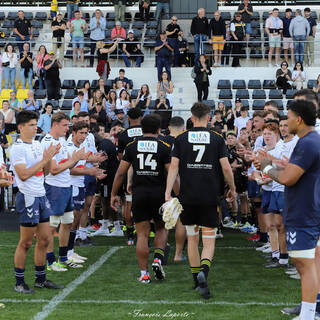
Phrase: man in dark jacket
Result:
[199,30]
[238,32]
[202,71]
[217,29]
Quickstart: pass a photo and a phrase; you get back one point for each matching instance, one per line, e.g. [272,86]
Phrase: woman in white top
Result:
[144,97]
[166,85]
[9,116]
[123,102]
[9,63]
[298,76]
[86,91]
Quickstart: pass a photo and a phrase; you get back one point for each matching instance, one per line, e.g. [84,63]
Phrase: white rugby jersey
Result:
[77,181]
[63,178]
[277,153]
[28,154]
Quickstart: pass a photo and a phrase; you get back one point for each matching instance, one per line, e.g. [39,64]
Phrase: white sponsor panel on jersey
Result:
[148,146]
[199,137]
[134,132]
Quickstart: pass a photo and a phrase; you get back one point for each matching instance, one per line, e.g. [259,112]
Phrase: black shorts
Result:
[205,216]
[146,205]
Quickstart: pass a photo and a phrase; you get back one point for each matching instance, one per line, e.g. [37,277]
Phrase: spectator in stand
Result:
[23,30]
[9,117]
[97,32]
[163,55]
[123,78]
[183,49]
[118,33]
[86,90]
[72,7]
[225,56]
[26,63]
[58,27]
[76,106]
[9,64]
[238,32]
[132,49]
[317,88]
[103,67]
[30,103]
[172,32]
[283,76]
[41,57]
[97,97]
[287,39]
[163,109]
[44,122]
[120,9]
[84,105]
[119,86]
[241,122]
[309,46]
[100,112]
[217,29]
[14,103]
[123,102]
[102,88]
[162,5]
[78,26]
[202,71]
[144,97]
[121,119]
[299,29]
[52,66]
[199,30]
[246,11]
[144,9]
[166,85]
[111,106]
[274,27]
[219,121]
[298,76]
[53,9]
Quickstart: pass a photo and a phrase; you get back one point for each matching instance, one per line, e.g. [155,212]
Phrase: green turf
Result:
[237,276]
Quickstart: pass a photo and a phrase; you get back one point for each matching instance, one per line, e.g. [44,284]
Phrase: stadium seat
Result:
[288,103]
[265,15]
[41,15]
[269,84]
[70,94]
[110,16]
[152,25]
[290,93]
[258,104]
[138,33]
[108,34]
[12,15]
[40,94]
[313,15]
[2,15]
[280,104]
[312,84]
[239,84]
[256,34]
[134,93]
[259,94]
[55,104]
[225,94]
[80,83]
[108,84]
[254,84]
[275,94]
[36,33]
[8,24]
[227,103]
[150,33]
[66,105]
[224,84]
[28,15]
[245,103]
[68,84]
[95,84]
[125,25]
[138,25]
[110,24]
[255,24]
[5,94]
[255,16]
[226,16]
[6,32]
[242,94]
[210,103]
[37,24]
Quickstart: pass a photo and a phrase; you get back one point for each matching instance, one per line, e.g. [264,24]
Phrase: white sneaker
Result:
[295,276]
[229,224]
[101,232]
[267,250]
[79,257]
[270,65]
[57,267]
[116,233]
[291,272]
[263,247]
[75,259]
[71,264]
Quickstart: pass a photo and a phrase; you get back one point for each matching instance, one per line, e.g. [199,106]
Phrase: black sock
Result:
[234,216]
[195,271]
[130,230]
[250,218]
[205,266]
[263,237]
[72,236]
[244,218]
[19,274]
[159,254]
[63,254]
[40,273]
[152,228]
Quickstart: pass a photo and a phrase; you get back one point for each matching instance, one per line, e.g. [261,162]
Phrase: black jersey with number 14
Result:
[148,157]
[199,151]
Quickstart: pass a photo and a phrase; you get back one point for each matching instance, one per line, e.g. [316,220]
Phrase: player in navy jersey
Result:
[301,215]
[199,156]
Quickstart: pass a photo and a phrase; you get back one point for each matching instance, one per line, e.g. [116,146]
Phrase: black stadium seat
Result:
[28,15]
[41,16]
[138,25]
[280,104]
[210,103]
[255,24]
[66,105]
[152,25]
[68,84]
[110,24]
[8,24]
[227,103]
[225,94]
[40,94]
[80,83]
[70,94]
[110,16]
[226,16]
[245,103]
[275,94]
[224,84]
[259,94]
[94,84]
[269,84]
[134,93]
[55,104]
[258,104]
[254,84]
[290,93]
[312,84]
[37,24]
[12,15]
[256,16]
[242,94]
[239,84]
[2,15]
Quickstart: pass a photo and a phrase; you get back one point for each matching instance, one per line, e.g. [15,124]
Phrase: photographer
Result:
[52,66]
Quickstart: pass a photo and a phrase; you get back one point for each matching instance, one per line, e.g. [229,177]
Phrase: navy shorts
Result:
[78,196]
[254,190]
[60,199]
[302,238]
[266,196]
[90,185]
[276,202]
[32,209]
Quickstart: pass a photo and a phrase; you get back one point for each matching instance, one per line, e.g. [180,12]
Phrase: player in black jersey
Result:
[125,137]
[198,156]
[149,158]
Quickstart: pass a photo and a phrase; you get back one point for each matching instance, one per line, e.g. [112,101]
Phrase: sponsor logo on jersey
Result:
[134,132]
[199,137]
[148,146]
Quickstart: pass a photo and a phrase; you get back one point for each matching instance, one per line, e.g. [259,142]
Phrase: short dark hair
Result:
[93,116]
[79,126]
[151,123]
[218,111]
[75,116]
[83,114]
[275,9]
[272,103]
[58,117]
[258,113]
[283,118]
[80,93]
[76,11]
[134,113]
[307,9]
[200,110]
[306,110]
[176,122]
[309,94]
[244,108]
[25,116]
[122,70]
[288,10]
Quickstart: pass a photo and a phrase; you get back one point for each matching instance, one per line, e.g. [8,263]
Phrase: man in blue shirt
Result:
[84,105]
[309,46]
[163,55]
[30,103]
[287,41]
[301,215]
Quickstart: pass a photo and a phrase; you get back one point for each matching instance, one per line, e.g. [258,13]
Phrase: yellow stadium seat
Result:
[5,94]
[22,93]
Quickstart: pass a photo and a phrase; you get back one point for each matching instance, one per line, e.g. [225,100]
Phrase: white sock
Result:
[70,253]
[143,272]
[105,224]
[276,254]
[117,225]
[83,233]
[78,234]
[308,310]
[283,261]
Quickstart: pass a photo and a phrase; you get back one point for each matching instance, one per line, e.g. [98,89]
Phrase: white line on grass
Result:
[165,302]
[57,299]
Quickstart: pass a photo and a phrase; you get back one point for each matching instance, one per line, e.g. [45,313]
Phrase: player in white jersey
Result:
[59,192]
[30,162]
